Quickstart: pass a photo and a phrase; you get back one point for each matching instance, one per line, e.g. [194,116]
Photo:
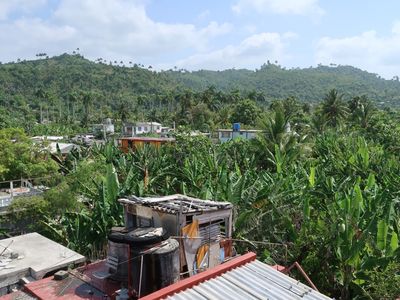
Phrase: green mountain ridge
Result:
[66,72]
[309,85]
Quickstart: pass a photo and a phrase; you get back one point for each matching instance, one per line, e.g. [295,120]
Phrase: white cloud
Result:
[203,15]
[251,53]
[26,37]
[379,54]
[112,29]
[9,6]
[396,27]
[293,7]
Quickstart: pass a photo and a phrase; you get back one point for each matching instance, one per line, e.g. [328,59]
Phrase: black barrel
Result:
[120,250]
[160,266]
[166,264]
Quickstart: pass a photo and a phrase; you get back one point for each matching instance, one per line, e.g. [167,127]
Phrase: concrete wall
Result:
[225,136]
[141,128]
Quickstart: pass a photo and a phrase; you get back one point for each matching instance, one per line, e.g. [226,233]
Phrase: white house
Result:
[141,128]
[225,135]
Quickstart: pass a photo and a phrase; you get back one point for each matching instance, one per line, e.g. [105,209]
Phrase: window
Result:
[139,128]
[146,129]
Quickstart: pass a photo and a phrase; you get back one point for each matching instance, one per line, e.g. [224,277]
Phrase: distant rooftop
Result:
[47,137]
[141,123]
[65,148]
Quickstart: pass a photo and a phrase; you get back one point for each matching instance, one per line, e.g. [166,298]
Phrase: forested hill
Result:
[65,73]
[308,84]
[125,80]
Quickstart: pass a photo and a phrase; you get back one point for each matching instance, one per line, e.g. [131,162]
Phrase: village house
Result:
[137,128]
[225,135]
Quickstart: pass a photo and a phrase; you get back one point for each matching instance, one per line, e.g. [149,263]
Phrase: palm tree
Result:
[224,115]
[73,99]
[333,108]
[361,109]
[87,101]
[43,96]
[278,144]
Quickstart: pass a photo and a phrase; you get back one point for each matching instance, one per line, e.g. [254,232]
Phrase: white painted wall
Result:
[225,136]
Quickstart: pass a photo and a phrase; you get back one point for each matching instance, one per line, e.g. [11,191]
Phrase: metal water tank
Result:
[121,252]
[165,265]
[118,248]
[153,258]
[236,126]
[155,268]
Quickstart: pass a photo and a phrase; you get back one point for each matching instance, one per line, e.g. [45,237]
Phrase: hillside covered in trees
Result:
[113,82]
[307,85]
[71,92]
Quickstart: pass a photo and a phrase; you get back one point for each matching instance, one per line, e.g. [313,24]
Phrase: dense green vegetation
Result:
[321,181]
[20,158]
[72,92]
[309,85]
[326,190]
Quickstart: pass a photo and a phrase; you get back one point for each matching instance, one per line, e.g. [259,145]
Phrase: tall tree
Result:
[87,100]
[246,112]
[334,109]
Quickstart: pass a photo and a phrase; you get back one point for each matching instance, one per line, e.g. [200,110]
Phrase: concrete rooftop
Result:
[33,255]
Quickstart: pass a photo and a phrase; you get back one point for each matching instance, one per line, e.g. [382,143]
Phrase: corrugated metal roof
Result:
[254,280]
[176,203]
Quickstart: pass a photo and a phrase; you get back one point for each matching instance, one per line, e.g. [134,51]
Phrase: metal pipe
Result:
[129,269]
[140,276]
[5,248]
[297,265]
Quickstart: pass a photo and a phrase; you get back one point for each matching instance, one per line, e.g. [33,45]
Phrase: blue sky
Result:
[207,34]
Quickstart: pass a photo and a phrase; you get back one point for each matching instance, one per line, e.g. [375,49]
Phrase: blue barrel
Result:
[236,126]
